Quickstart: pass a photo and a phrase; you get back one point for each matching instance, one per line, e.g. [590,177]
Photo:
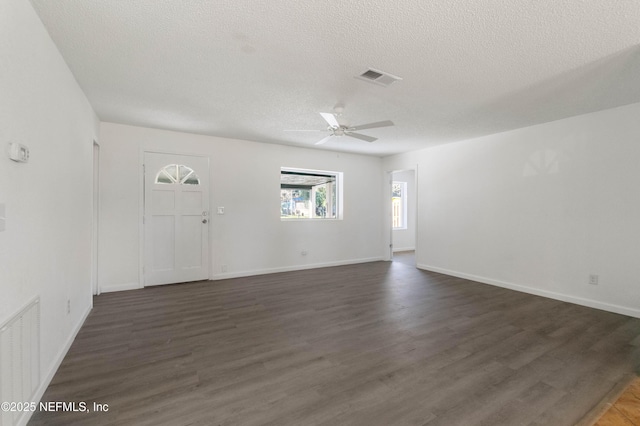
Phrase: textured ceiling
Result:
[251,69]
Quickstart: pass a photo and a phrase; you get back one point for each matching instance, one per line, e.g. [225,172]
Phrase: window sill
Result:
[308,219]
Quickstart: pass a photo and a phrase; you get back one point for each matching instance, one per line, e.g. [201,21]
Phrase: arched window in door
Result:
[178,174]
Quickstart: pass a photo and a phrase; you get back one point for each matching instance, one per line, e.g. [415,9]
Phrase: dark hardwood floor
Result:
[372,344]
[406,257]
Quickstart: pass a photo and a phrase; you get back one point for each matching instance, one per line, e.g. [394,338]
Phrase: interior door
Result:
[176,218]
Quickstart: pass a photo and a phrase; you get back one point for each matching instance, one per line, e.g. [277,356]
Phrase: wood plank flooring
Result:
[380,343]
[625,411]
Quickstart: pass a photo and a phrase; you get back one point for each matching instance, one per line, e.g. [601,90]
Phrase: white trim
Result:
[309,219]
[416,196]
[109,288]
[95,218]
[403,249]
[387,217]
[44,384]
[227,275]
[623,310]
[141,170]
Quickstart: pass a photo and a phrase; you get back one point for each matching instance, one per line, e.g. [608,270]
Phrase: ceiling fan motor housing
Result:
[337,129]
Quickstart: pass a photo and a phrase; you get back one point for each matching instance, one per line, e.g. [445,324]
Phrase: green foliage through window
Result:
[306,194]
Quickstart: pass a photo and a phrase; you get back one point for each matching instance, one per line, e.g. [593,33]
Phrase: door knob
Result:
[204,221]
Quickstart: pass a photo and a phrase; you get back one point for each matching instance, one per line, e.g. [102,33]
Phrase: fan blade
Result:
[386,123]
[331,119]
[361,136]
[325,140]
[298,130]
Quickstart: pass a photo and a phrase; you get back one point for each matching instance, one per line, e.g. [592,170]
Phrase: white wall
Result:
[538,209]
[245,178]
[46,248]
[405,239]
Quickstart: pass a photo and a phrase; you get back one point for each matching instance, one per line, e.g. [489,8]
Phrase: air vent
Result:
[371,74]
[380,78]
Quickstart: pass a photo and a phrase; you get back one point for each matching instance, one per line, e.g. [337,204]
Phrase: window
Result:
[177,173]
[309,194]
[399,204]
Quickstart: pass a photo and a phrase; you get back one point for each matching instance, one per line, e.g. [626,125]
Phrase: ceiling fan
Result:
[337,130]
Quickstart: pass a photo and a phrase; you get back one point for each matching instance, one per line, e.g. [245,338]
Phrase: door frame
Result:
[141,197]
[387,220]
[95,219]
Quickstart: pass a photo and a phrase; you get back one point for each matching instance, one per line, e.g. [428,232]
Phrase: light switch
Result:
[220,210]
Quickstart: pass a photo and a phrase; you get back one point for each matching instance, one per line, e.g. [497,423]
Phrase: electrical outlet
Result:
[593,279]
[68,306]
[223,268]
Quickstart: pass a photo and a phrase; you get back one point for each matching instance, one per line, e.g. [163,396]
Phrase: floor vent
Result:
[19,360]
[378,77]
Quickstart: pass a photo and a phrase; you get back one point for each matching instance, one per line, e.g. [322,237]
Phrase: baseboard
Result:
[119,287]
[58,360]
[623,310]
[227,275]
[395,250]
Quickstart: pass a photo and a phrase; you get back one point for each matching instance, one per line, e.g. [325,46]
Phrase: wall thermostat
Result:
[18,152]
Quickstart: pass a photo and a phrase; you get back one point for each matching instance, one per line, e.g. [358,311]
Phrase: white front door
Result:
[176,218]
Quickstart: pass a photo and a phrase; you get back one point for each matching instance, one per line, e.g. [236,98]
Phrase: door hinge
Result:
[143,220]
